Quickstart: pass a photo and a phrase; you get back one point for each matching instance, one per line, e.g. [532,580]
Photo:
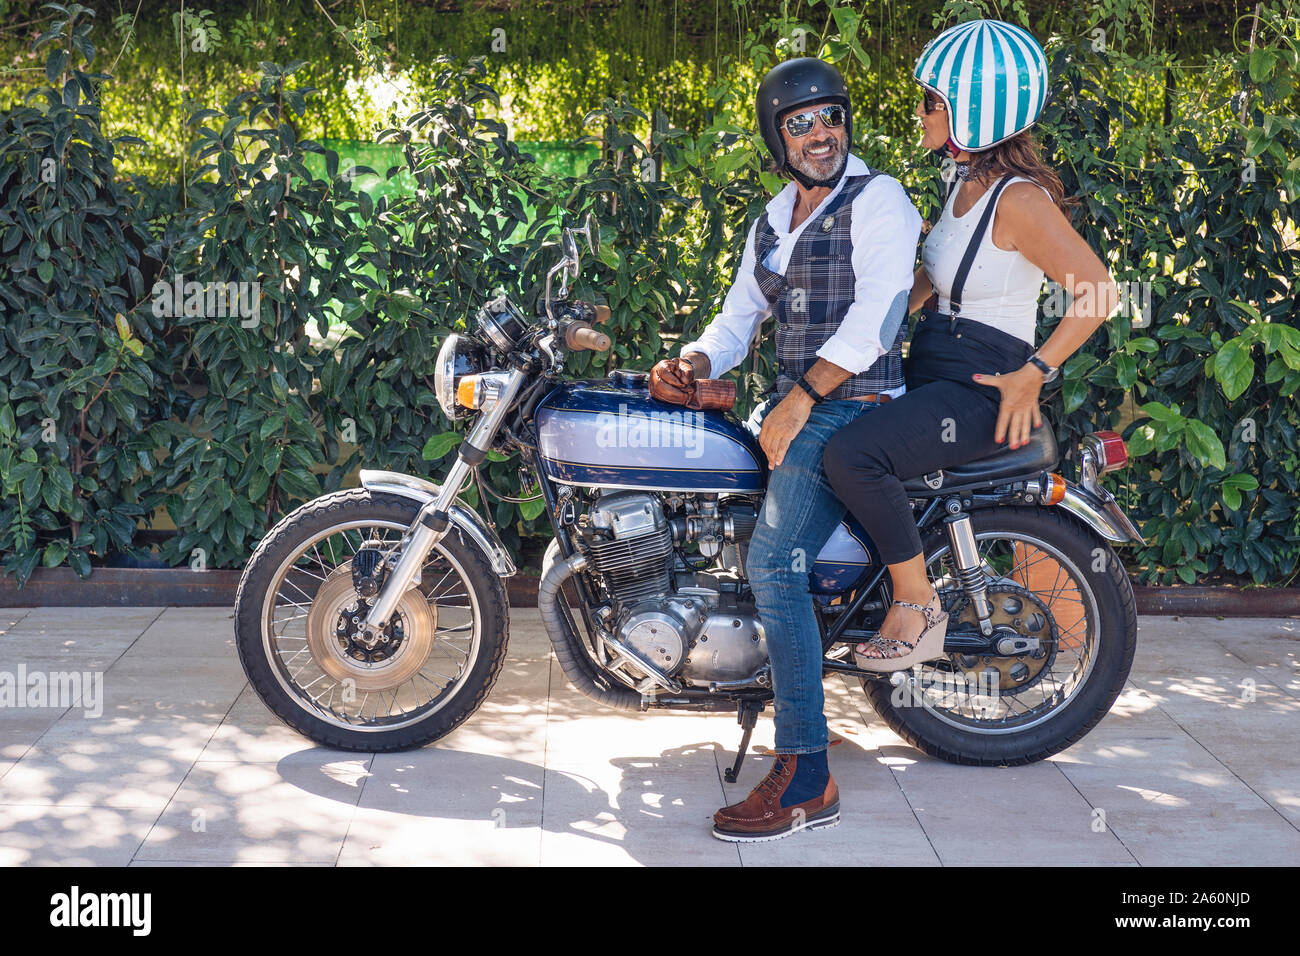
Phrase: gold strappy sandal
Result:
[926,647]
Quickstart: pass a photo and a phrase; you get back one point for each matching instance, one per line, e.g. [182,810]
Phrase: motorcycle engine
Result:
[700,626]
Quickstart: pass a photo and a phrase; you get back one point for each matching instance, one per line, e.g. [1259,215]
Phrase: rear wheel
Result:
[1053,584]
[296,617]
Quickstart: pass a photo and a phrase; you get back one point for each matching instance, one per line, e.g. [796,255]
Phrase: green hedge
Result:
[109,410]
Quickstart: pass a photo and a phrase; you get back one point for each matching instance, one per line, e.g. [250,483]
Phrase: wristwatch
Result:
[817,396]
[1049,372]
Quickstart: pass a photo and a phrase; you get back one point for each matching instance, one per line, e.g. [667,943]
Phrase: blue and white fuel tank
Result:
[612,434]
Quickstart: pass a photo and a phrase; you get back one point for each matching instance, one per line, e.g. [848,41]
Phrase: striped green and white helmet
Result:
[991,76]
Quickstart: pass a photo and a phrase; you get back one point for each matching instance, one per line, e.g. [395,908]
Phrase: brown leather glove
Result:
[673,380]
[714,393]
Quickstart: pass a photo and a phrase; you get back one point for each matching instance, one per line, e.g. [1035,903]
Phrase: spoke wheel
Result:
[298,628]
[1060,591]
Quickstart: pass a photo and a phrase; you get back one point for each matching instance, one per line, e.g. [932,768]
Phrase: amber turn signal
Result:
[1053,489]
[467,391]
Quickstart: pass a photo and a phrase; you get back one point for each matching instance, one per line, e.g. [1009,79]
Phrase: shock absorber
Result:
[965,555]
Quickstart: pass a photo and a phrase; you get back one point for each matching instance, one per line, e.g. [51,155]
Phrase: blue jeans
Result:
[798,516]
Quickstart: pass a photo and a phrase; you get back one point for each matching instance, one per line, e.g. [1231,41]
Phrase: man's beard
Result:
[825,171]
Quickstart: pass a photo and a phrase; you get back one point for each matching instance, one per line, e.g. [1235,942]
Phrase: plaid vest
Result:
[810,300]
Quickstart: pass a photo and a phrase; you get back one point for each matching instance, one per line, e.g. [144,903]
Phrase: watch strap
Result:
[1049,372]
[817,396]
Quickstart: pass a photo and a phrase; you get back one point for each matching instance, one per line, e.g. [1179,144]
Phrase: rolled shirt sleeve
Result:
[886,229]
[727,338]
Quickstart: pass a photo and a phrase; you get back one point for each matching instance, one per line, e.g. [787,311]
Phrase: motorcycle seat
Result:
[1040,453]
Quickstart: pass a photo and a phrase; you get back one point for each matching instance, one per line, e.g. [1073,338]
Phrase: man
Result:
[833,257]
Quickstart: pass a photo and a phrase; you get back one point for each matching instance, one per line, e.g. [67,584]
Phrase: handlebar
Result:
[580,335]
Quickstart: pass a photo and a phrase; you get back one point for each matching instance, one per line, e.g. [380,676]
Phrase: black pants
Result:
[944,419]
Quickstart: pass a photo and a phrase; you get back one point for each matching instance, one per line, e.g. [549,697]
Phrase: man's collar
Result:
[783,201]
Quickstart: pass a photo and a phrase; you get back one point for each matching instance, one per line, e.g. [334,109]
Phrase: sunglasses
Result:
[801,124]
[932,102]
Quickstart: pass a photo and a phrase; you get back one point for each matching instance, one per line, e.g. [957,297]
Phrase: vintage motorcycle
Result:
[375,618]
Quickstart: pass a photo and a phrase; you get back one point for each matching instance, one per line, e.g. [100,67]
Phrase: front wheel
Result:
[296,614]
[1051,582]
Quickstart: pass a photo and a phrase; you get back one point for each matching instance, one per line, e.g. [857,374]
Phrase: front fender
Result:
[466,519]
[1098,509]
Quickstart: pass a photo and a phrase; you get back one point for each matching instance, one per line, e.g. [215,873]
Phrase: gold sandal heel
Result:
[926,647]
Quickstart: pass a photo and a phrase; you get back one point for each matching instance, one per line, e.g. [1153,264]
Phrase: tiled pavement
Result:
[1196,764]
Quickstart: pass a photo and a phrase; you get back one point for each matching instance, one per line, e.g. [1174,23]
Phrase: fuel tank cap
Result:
[626,378]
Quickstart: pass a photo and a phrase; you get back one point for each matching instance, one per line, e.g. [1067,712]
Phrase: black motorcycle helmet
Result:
[795,83]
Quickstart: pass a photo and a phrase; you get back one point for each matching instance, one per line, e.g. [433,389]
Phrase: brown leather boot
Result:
[760,816]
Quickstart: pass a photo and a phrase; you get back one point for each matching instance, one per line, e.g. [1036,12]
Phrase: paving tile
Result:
[113,762]
[10,616]
[192,632]
[71,836]
[296,811]
[995,816]
[388,838]
[634,811]
[443,806]
[528,638]
[84,638]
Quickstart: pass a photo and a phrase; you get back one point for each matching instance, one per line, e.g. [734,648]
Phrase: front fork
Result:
[432,523]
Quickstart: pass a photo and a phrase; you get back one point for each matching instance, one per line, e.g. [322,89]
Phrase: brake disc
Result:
[338,642]
[1016,613]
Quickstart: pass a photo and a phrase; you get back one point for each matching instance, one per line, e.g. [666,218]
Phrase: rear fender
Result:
[1097,508]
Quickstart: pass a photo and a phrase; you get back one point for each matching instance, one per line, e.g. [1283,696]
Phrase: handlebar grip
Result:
[583,336]
[602,313]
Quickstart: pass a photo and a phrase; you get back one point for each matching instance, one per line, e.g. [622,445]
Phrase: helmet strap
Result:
[963,168]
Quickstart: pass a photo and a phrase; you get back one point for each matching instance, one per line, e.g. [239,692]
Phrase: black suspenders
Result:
[963,269]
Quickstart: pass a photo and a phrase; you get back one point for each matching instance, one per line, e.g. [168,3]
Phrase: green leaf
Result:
[1161,413]
[531,508]
[1234,368]
[438,445]
[80,562]
[1242,481]
[55,552]
[1203,443]
[242,511]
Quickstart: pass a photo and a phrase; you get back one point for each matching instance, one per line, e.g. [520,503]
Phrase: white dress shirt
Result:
[885,230]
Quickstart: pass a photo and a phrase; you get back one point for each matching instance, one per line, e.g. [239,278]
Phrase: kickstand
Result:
[747,718]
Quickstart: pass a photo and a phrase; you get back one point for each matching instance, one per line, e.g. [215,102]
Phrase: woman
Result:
[973,377]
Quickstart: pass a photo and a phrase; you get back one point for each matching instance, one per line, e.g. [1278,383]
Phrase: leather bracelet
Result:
[817,397]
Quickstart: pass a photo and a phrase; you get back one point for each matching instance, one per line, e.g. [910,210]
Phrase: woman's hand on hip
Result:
[1018,412]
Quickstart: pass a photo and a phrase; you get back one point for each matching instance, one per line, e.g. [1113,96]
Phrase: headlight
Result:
[459,355]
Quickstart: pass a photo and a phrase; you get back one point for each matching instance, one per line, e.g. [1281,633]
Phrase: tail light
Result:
[1108,449]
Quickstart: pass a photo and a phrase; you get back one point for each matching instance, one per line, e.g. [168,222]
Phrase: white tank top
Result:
[1002,287]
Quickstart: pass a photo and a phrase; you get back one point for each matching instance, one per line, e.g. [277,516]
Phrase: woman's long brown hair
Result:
[1021,156]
